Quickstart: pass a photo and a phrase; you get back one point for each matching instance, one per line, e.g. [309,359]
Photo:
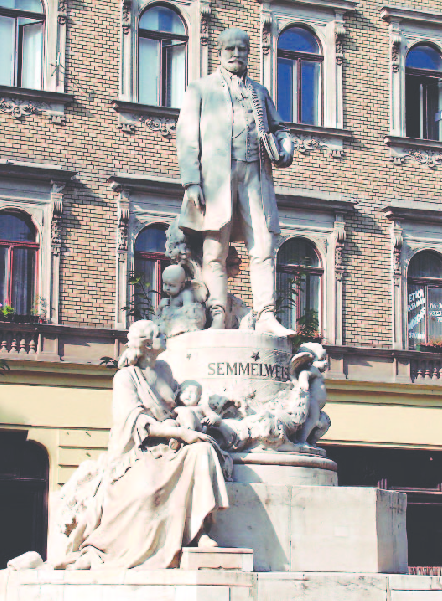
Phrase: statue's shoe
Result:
[268,324]
[207,542]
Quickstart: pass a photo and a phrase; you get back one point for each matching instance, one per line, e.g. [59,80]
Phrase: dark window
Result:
[299,77]
[298,281]
[417,473]
[21,43]
[162,75]
[23,496]
[425,299]
[18,253]
[150,261]
[423,93]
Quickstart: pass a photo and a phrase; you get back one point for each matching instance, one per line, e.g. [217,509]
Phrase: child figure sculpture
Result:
[309,394]
[183,310]
[199,411]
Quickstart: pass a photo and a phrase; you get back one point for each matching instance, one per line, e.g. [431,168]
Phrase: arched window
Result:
[423,93]
[21,43]
[299,76]
[150,261]
[162,73]
[298,282]
[18,253]
[425,298]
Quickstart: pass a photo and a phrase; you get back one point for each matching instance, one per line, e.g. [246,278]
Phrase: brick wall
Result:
[92,144]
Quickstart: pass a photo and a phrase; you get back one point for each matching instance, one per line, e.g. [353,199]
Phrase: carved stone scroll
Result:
[126,16]
[339,36]
[205,15]
[266,24]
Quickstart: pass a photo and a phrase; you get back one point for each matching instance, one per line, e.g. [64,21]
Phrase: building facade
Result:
[89,182]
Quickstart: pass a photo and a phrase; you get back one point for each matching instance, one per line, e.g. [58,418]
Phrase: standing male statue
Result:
[227,134]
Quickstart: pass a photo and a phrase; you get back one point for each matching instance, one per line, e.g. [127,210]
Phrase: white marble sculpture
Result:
[145,499]
[183,309]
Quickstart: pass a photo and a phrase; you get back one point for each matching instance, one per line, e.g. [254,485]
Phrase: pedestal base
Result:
[195,558]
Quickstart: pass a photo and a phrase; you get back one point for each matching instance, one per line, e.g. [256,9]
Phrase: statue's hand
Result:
[190,436]
[195,193]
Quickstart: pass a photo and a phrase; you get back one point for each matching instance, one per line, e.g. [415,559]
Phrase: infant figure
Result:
[183,310]
[199,411]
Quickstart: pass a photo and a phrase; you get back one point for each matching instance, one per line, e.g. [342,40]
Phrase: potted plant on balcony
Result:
[434,346]
[9,314]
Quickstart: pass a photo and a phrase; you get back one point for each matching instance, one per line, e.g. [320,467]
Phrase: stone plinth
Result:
[284,468]
[239,361]
[195,558]
[316,528]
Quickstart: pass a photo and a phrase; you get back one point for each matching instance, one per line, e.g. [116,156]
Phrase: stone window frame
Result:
[325,18]
[414,228]
[51,100]
[320,217]
[37,190]
[408,27]
[196,16]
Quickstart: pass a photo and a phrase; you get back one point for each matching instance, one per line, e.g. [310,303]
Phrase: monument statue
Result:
[147,498]
[228,134]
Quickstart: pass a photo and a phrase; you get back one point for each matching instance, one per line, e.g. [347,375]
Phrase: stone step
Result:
[216,558]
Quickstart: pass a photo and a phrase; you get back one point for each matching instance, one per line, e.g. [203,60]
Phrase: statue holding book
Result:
[228,135]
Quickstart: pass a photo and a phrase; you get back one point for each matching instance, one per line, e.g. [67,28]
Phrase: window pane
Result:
[424,57]
[161,18]
[298,251]
[23,274]
[34,6]
[425,264]
[298,39]
[151,240]
[288,313]
[309,293]
[32,53]
[3,274]
[146,268]
[286,88]
[149,71]
[412,106]
[16,228]
[310,92]
[434,314]
[433,92]
[7,53]
[416,314]
[176,74]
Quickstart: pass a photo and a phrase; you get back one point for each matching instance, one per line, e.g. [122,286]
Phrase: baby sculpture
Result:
[199,411]
[183,310]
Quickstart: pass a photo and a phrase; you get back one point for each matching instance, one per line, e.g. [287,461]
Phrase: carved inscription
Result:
[263,370]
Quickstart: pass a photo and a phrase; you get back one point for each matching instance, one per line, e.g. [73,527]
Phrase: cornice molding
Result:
[154,184]
[400,13]
[396,212]
[340,5]
[312,200]
[47,172]
[36,95]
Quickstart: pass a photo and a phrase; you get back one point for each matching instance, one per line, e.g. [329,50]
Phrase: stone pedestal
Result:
[241,362]
[316,528]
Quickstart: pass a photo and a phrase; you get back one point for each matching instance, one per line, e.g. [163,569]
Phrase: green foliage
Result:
[7,310]
[140,305]
[109,362]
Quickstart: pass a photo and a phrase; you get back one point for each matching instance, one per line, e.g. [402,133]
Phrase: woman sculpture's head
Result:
[143,340]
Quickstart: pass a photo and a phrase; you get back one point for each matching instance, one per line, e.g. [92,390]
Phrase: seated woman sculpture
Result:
[154,500]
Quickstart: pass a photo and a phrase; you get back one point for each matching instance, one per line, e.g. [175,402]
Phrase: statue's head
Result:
[233,48]
[143,339]
[174,279]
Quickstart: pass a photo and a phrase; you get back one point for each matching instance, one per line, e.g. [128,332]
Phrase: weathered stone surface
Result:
[316,528]
[195,558]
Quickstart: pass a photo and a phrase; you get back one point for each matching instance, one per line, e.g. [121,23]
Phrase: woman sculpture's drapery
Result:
[149,500]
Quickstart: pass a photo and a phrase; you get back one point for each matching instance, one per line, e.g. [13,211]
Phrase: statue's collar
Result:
[228,76]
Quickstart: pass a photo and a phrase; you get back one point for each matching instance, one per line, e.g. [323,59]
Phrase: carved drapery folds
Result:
[126,16]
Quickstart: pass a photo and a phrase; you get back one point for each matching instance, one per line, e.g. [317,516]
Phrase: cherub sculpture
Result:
[199,411]
[183,310]
[308,395]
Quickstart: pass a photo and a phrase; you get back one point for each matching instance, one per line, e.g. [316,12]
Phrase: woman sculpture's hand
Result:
[190,436]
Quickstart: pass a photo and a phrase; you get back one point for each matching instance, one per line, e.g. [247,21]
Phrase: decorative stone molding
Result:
[326,19]
[62,12]
[132,115]
[398,241]
[21,102]
[57,210]
[123,220]
[126,16]
[340,238]
[422,152]
[205,15]
[307,139]
[407,27]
